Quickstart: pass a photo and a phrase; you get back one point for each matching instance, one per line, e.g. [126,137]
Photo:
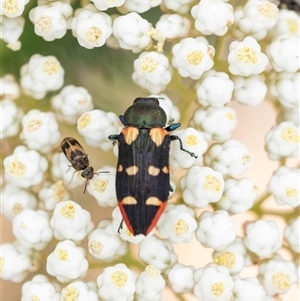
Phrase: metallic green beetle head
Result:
[144,113]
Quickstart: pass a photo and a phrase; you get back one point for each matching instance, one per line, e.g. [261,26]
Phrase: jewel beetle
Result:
[78,158]
[143,177]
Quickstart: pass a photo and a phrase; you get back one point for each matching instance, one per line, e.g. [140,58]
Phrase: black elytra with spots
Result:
[143,179]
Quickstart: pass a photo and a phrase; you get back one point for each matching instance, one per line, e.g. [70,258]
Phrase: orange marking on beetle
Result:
[165,169]
[120,168]
[129,200]
[153,171]
[158,135]
[132,170]
[130,134]
[153,201]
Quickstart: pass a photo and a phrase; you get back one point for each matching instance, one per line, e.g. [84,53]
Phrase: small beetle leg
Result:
[174,137]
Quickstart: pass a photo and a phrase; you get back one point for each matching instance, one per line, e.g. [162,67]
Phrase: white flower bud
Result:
[284,185]
[157,252]
[41,75]
[193,141]
[181,278]
[14,199]
[106,4]
[291,234]
[234,257]
[32,229]
[24,167]
[40,288]
[177,223]
[277,275]
[51,20]
[116,283]
[250,90]
[71,103]
[229,158]
[285,87]
[67,262]
[11,30]
[215,123]
[212,17]
[70,221]
[245,58]
[105,243]
[51,194]
[103,188]
[192,57]
[238,196]
[201,186]
[248,289]
[152,71]
[140,6]
[91,27]
[283,53]
[173,26]
[262,237]
[10,89]
[216,230]
[255,19]
[95,126]
[207,94]
[131,30]
[150,285]
[11,117]
[213,283]
[282,141]
[179,6]
[12,8]
[80,291]
[40,130]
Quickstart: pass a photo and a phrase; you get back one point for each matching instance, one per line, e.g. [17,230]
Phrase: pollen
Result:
[59,191]
[17,168]
[268,10]
[70,294]
[96,247]
[44,24]
[33,125]
[100,185]
[16,209]
[246,158]
[226,259]
[132,170]
[148,64]
[218,288]
[290,135]
[23,225]
[195,57]
[230,116]
[93,35]
[84,120]
[152,271]
[292,25]
[191,140]
[291,192]
[119,278]
[212,183]
[10,7]
[281,280]
[247,55]
[68,211]
[181,227]
[153,171]
[50,67]
[62,254]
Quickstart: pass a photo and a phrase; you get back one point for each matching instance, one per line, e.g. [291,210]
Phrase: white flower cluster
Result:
[196,58]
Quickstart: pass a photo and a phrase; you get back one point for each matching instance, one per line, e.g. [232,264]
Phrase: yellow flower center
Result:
[17,168]
[70,294]
[50,67]
[292,25]
[247,55]
[62,254]
[44,24]
[10,7]
[148,64]
[84,120]
[181,227]
[93,35]
[268,10]
[96,247]
[195,57]
[290,135]
[281,280]
[226,259]
[218,288]
[68,211]
[33,125]
[119,278]
[212,183]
